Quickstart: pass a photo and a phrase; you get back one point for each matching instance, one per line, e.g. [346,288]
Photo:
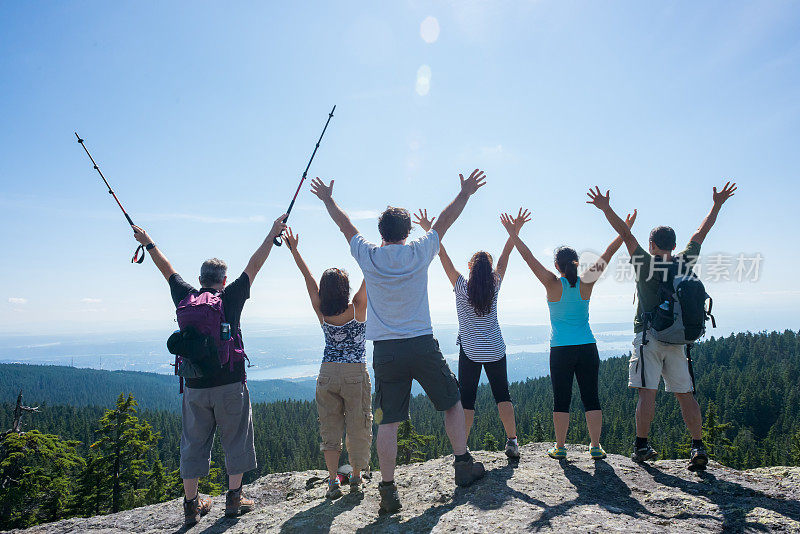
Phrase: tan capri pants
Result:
[344,397]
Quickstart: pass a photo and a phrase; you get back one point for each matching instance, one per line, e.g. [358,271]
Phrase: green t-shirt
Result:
[651,272]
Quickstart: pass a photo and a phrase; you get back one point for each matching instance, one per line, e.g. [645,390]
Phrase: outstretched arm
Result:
[158,257]
[502,262]
[447,264]
[719,199]
[311,284]
[325,194]
[449,215]
[548,279]
[262,253]
[593,273]
[603,203]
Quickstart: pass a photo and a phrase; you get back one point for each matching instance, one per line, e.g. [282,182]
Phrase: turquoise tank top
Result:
[569,317]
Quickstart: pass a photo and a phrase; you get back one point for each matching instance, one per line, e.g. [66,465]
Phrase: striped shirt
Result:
[479,336]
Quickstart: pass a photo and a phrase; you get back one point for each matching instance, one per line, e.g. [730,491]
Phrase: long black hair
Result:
[567,262]
[482,283]
[334,292]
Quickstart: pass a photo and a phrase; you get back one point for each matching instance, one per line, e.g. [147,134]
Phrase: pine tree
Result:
[157,484]
[121,450]
[90,493]
[410,444]
[35,474]
[715,434]
[796,448]
[489,442]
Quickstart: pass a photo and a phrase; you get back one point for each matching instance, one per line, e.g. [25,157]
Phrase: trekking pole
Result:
[140,249]
[278,239]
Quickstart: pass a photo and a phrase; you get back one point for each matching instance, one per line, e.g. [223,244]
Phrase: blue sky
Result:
[202,115]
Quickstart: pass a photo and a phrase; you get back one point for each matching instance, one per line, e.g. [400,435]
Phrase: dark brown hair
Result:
[663,237]
[482,283]
[334,292]
[567,262]
[394,224]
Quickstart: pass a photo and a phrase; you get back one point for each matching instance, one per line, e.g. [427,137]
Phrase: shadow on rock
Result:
[501,491]
[733,500]
[319,518]
[604,488]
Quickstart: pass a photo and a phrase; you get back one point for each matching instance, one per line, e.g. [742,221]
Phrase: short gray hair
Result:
[213,272]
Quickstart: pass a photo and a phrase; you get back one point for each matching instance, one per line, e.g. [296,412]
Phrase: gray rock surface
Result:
[538,494]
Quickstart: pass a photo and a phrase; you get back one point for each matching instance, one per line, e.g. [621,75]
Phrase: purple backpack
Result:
[205,312]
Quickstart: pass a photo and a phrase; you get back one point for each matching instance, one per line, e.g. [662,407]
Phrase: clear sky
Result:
[203,115]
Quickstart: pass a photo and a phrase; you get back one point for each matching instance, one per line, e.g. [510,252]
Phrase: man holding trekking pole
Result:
[218,397]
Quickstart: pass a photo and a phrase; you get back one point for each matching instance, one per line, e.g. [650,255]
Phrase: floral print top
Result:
[346,343]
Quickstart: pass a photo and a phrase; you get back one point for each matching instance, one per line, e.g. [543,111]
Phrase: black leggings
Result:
[583,362]
[469,374]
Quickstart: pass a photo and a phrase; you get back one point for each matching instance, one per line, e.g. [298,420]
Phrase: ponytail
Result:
[482,283]
[567,263]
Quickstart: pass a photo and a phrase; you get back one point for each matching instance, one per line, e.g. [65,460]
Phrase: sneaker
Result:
[698,459]
[597,453]
[558,453]
[236,504]
[468,472]
[356,484]
[195,509]
[512,449]
[390,499]
[643,454]
[334,489]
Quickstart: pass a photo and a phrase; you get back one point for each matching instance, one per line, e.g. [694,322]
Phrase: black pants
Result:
[581,361]
[469,374]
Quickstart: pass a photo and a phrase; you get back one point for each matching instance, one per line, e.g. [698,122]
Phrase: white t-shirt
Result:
[479,336]
[397,286]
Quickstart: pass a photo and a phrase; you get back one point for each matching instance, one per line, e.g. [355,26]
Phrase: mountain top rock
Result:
[537,494]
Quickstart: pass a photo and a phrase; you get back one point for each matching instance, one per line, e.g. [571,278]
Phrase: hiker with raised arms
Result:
[653,359]
[573,348]
[480,340]
[344,390]
[399,324]
[216,394]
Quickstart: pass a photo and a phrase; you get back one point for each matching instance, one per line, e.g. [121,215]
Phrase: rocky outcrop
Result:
[537,494]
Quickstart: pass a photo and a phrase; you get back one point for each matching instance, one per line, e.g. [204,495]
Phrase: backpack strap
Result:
[708,312]
[645,341]
[691,368]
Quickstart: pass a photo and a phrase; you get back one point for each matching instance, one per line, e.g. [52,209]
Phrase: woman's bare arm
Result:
[311,284]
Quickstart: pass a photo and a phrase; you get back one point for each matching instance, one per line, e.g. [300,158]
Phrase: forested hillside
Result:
[72,386]
[747,381]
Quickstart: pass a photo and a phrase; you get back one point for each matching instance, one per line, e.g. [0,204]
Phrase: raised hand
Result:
[630,219]
[423,221]
[278,226]
[597,198]
[522,217]
[508,223]
[291,239]
[141,236]
[475,181]
[726,193]
[322,191]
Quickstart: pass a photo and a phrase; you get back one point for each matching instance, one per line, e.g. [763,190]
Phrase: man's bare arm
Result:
[719,199]
[449,215]
[262,252]
[155,253]
[603,203]
[325,194]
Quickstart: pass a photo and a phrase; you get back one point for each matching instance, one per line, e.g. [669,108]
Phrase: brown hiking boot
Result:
[468,472]
[236,504]
[390,499]
[195,509]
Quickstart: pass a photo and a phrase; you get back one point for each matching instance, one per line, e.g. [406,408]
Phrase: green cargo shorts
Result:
[399,361]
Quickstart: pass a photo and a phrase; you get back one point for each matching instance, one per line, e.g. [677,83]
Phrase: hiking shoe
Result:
[512,449]
[468,472]
[698,459]
[356,484]
[643,454]
[557,453]
[195,509]
[597,453]
[334,489]
[390,499]
[236,504]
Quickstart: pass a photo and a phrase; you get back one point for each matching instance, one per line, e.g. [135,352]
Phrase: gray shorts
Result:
[203,410]
[399,361]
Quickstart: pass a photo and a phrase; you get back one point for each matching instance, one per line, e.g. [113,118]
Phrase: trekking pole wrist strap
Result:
[150,246]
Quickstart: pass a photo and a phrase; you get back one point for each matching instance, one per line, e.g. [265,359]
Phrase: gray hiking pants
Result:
[203,410]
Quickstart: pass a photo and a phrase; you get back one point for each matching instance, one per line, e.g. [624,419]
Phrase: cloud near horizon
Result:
[17,300]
